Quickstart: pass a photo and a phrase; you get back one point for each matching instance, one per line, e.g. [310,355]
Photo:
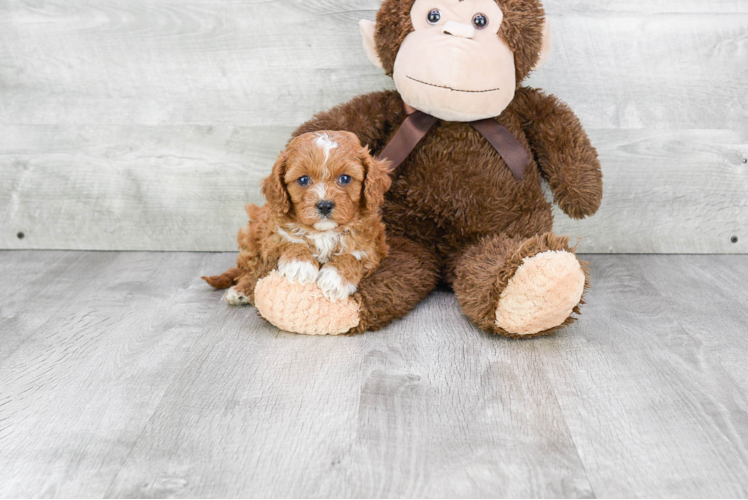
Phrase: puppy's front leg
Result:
[339,278]
[298,265]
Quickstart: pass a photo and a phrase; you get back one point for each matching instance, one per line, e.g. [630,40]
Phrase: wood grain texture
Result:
[650,410]
[409,412]
[88,373]
[146,125]
[130,378]
[27,285]
[171,188]
[183,188]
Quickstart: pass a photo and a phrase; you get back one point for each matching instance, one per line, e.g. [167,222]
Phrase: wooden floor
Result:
[123,375]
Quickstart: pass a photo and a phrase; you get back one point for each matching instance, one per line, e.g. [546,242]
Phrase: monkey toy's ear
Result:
[545,51]
[370,46]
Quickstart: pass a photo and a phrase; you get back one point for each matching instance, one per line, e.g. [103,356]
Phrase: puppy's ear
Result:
[377,180]
[274,186]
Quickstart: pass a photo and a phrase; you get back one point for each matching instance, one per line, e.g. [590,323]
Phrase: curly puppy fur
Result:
[294,232]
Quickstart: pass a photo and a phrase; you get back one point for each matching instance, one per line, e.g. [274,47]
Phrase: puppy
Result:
[321,223]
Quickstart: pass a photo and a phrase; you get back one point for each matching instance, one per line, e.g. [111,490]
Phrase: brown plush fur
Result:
[455,212]
[457,201]
[408,274]
[284,229]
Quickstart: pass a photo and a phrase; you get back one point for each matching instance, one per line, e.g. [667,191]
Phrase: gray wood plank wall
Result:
[145,125]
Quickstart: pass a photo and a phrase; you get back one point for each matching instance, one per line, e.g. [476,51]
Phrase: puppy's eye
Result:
[434,16]
[480,21]
[304,181]
[344,179]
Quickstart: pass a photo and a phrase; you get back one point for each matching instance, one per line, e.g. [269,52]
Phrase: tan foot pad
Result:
[303,309]
[542,293]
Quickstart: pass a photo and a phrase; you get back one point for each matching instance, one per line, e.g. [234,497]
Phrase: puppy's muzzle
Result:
[325,207]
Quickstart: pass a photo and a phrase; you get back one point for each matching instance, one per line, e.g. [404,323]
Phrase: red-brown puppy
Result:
[321,223]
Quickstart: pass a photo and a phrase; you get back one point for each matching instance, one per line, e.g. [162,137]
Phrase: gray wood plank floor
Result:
[123,375]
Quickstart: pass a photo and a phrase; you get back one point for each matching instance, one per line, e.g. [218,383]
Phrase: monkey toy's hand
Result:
[577,188]
[564,153]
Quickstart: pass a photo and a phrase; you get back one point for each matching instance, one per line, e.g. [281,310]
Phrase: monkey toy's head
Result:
[458,60]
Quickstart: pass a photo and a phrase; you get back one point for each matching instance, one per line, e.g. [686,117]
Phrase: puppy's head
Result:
[326,180]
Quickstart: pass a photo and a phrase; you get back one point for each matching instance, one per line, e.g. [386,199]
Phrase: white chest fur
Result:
[325,244]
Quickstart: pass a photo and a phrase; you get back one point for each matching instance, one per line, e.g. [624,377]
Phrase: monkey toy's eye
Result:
[480,21]
[434,16]
[344,180]
[304,181]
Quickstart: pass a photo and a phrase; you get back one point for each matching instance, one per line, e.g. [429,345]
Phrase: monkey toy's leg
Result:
[404,278]
[520,287]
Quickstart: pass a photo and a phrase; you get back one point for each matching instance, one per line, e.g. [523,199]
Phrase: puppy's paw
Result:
[236,298]
[333,286]
[298,271]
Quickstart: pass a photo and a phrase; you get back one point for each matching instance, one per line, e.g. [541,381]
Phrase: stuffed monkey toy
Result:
[469,146]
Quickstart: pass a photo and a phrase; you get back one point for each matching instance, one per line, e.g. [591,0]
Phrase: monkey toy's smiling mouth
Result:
[455,78]
[452,89]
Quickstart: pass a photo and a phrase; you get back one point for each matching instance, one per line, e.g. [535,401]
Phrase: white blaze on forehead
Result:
[320,189]
[326,144]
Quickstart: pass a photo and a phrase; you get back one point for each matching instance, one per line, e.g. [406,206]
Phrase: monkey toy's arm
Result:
[371,117]
[565,156]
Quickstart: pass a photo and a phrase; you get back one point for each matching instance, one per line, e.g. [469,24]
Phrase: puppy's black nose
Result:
[325,207]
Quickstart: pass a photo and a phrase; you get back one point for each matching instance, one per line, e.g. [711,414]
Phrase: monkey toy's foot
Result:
[542,295]
[518,287]
[303,308]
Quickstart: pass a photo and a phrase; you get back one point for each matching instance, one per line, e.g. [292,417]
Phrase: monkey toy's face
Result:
[454,63]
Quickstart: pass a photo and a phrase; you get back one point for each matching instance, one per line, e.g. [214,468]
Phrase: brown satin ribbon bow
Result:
[417,125]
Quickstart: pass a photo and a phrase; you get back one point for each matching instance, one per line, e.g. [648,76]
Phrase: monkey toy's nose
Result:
[459,29]
[325,207]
